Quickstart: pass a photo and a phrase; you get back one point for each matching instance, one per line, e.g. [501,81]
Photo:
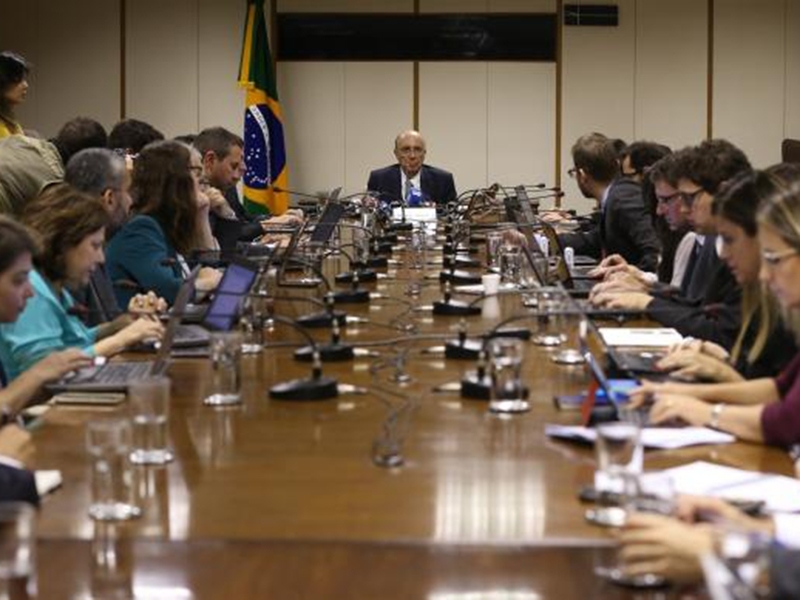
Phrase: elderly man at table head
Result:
[411,177]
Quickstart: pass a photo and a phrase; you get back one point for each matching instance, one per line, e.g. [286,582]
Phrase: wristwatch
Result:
[716,411]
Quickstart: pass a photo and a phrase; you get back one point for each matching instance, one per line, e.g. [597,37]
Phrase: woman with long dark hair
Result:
[170,220]
[13,90]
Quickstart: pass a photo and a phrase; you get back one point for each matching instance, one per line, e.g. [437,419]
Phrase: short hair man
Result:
[131,135]
[222,156]
[397,182]
[708,305]
[105,174]
[28,164]
[624,227]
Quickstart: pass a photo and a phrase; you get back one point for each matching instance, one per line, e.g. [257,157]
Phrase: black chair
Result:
[790,151]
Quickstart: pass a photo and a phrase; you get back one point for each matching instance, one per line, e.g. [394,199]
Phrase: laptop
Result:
[115,376]
[223,310]
[574,280]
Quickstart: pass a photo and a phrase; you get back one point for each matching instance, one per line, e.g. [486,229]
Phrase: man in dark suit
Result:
[624,226]
[410,176]
[16,482]
[707,306]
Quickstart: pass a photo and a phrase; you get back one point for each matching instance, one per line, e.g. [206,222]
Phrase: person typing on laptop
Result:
[71,228]
[767,409]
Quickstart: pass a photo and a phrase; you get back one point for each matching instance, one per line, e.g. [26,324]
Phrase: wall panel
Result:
[671,77]
[19,33]
[345,6]
[377,106]
[597,87]
[163,64]
[312,97]
[221,100]
[792,125]
[749,76]
[456,6]
[453,119]
[521,123]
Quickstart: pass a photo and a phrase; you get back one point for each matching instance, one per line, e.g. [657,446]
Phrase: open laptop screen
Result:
[231,291]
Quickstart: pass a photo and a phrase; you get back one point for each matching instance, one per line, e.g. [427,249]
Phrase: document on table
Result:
[778,492]
[47,481]
[663,438]
[653,337]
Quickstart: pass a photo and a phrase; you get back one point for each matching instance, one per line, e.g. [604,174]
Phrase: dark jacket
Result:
[17,485]
[437,184]
[624,228]
[711,310]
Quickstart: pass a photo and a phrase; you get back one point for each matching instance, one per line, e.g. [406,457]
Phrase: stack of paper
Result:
[779,493]
[664,438]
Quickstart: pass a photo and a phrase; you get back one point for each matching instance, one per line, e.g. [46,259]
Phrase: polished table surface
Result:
[283,499]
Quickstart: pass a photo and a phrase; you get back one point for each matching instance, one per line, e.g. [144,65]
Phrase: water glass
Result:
[225,351]
[17,550]
[149,405]
[251,324]
[460,232]
[494,240]
[419,248]
[510,263]
[108,442]
[508,391]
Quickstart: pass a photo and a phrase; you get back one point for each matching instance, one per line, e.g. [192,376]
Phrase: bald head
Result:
[409,149]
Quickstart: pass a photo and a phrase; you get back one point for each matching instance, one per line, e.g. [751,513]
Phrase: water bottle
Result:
[569,257]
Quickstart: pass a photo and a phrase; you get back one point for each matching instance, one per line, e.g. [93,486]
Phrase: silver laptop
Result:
[115,376]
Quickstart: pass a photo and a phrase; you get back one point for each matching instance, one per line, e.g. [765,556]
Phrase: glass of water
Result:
[510,264]
[494,240]
[108,442]
[225,350]
[508,391]
[149,405]
[17,550]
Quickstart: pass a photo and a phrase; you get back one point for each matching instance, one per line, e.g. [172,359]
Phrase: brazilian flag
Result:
[264,148]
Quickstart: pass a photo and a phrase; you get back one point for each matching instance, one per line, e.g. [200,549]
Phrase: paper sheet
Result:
[780,493]
[651,337]
[47,481]
[664,438]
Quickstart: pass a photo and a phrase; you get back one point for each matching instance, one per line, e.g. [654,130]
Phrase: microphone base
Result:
[364,276]
[351,297]
[466,350]
[459,277]
[327,353]
[322,319]
[310,389]
[455,308]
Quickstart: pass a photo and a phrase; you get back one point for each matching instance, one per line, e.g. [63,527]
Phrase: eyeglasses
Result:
[196,171]
[773,259]
[668,199]
[572,172]
[690,197]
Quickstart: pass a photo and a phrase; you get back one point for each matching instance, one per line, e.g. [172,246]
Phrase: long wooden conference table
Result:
[278,499]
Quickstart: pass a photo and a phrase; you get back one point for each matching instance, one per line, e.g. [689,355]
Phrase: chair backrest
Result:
[790,151]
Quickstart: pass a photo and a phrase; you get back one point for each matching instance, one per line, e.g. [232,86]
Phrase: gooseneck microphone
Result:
[315,387]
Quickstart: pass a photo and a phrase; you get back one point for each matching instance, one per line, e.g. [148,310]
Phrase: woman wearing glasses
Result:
[169,220]
[766,409]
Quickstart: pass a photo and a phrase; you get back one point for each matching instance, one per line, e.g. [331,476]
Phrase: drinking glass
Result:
[226,369]
[510,264]
[17,550]
[149,405]
[108,442]
[508,391]
[494,240]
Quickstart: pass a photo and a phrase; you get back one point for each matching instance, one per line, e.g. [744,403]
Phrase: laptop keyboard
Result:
[112,373]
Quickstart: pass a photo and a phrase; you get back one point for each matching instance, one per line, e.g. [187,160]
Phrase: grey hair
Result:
[95,170]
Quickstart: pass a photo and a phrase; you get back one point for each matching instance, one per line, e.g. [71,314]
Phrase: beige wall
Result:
[487,122]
